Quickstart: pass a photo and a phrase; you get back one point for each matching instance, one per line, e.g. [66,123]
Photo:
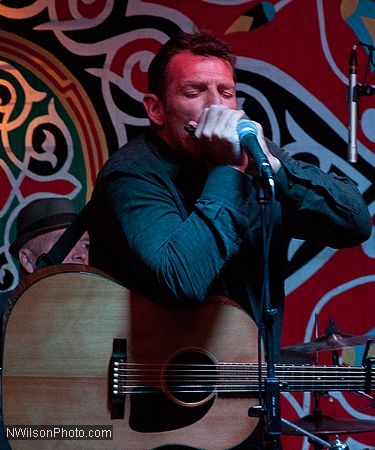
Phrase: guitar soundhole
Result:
[190,378]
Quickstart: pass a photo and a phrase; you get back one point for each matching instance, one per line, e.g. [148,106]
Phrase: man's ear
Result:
[27,259]
[154,109]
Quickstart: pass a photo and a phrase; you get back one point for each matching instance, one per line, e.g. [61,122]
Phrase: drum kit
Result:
[318,423]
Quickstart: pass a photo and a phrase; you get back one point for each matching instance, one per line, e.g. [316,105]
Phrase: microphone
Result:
[353,104]
[247,133]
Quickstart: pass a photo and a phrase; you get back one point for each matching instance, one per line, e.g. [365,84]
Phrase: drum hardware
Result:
[335,341]
[317,424]
[338,445]
[326,425]
[315,440]
[369,397]
[332,340]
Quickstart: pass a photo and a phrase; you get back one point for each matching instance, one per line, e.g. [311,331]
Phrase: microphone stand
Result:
[353,106]
[271,401]
[355,91]
[270,406]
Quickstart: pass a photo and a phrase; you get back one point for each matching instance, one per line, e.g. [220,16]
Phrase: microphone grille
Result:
[245,126]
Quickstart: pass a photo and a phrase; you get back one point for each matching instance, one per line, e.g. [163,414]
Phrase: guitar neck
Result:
[245,377]
[239,378]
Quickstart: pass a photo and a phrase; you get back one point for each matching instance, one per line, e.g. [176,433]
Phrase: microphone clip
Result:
[364,90]
[264,183]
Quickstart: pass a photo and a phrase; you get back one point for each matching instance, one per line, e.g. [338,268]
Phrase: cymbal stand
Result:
[317,412]
[368,396]
[330,330]
[316,441]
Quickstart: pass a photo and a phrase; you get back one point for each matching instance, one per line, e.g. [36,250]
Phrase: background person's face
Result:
[43,243]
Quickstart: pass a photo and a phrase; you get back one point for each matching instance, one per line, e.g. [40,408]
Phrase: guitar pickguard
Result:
[154,413]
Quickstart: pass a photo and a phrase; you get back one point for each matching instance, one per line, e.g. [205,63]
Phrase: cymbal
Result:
[331,342]
[321,424]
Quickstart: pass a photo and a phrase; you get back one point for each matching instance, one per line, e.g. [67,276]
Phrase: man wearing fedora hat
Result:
[38,227]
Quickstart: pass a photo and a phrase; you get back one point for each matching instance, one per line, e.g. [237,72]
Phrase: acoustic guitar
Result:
[80,349]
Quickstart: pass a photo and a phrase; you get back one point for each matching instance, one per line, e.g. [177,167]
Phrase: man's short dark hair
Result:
[201,43]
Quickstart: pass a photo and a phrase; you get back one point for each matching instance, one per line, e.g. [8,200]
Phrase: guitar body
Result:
[57,350]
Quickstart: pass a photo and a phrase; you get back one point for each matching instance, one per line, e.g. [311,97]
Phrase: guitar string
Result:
[238,368]
[239,382]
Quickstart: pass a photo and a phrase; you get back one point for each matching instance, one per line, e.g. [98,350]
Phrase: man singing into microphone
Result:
[180,209]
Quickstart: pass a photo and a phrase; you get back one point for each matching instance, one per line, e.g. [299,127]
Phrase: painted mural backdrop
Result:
[72,77]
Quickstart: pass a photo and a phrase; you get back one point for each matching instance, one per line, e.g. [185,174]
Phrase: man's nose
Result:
[214,98]
[80,255]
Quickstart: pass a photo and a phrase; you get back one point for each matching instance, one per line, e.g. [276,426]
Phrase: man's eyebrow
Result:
[202,83]
[194,83]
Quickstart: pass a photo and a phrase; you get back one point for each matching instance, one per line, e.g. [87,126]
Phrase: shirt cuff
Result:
[228,186]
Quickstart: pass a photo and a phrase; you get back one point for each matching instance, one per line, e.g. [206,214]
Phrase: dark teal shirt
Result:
[175,233]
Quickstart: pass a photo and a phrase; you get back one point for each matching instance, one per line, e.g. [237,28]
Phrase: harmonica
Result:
[190,129]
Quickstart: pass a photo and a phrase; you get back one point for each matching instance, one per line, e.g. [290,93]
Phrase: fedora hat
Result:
[41,216]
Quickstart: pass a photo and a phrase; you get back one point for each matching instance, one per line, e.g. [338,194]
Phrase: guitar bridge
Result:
[116,400]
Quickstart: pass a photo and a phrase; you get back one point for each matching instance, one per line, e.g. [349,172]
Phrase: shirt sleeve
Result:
[182,253]
[318,206]
[179,254]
